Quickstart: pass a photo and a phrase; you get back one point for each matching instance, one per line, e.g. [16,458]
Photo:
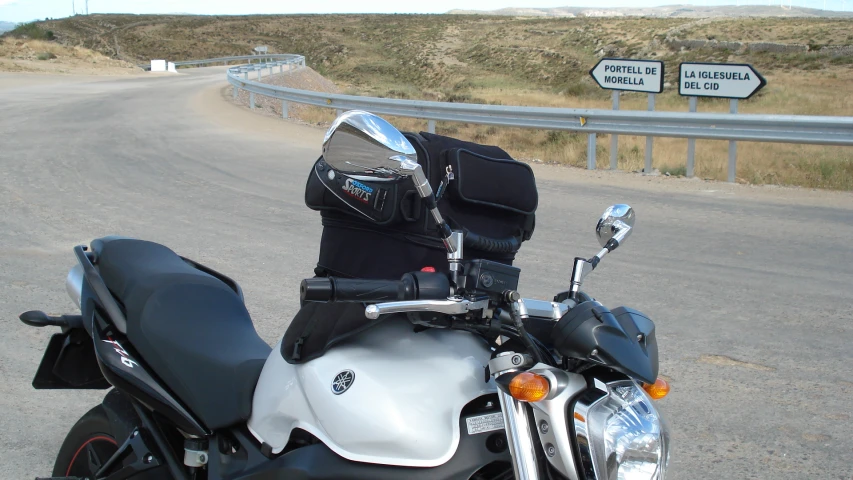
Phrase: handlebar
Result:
[493,245]
[331,289]
[413,286]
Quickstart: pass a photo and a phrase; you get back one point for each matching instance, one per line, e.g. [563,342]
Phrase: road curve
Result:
[750,287]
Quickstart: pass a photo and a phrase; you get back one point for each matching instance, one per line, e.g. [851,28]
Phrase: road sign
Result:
[261,49]
[630,75]
[721,80]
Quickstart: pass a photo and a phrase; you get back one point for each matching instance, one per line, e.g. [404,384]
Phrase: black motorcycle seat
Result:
[189,327]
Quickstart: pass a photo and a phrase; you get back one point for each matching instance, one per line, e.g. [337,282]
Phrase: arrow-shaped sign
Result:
[629,75]
[721,80]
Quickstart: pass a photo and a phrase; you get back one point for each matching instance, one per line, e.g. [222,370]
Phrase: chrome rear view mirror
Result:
[361,143]
[616,223]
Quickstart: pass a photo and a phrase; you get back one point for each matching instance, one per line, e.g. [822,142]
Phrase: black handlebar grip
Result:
[493,245]
[333,289]
[316,290]
[355,290]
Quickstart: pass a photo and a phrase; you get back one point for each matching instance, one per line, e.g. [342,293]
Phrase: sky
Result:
[26,10]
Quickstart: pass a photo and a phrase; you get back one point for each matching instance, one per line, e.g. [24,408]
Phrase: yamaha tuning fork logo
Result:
[342,382]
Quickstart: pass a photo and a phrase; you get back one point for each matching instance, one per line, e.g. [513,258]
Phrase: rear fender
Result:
[123,418]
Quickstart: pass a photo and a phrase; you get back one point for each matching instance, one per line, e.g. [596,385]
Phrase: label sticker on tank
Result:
[485,423]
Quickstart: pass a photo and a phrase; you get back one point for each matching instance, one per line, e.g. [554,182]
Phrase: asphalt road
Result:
[750,287]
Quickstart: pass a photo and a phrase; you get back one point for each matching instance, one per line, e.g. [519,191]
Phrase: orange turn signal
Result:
[657,390]
[529,387]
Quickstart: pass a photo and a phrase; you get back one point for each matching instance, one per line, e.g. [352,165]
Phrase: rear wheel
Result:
[88,445]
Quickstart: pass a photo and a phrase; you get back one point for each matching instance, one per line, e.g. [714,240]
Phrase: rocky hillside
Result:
[40,56]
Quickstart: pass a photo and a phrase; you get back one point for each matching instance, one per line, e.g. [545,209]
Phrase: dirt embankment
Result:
[39,56]
[302,78]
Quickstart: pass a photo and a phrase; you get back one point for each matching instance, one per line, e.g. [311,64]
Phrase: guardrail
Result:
[817,130]
[227,60]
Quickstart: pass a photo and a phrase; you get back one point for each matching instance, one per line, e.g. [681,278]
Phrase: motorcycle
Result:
[463,379]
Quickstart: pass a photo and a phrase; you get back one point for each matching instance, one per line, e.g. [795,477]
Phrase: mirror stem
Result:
[426,193]
[454,258]
[611,245]
[420,180]
[452,240]
[581,269]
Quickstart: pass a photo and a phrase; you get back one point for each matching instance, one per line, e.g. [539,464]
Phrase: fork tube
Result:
[517,425]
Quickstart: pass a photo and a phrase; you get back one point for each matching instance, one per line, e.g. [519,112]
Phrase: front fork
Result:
[519,437]
[516,419]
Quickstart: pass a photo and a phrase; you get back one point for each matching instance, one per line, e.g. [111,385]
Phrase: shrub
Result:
[46,56]
[31,30]
[675,171]
[581,89]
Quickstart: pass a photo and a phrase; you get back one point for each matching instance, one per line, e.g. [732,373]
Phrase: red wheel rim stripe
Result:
[74,458]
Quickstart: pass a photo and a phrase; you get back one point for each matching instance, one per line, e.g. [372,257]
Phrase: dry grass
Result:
[811,31]
[758,163]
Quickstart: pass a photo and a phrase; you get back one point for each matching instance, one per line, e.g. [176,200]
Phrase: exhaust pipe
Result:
[74,284]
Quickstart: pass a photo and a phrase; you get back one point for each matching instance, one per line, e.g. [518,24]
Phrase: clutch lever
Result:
[451,306]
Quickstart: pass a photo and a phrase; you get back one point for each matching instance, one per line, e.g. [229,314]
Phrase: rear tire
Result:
[90,442]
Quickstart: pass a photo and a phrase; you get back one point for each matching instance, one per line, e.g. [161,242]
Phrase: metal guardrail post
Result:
[280,68]
[691,144]
[252,100]
[649,140]
[431,126]
[259,73]
[284,109]
[614,138]
[234,93]
[590,152]
[732,147]
[246,74]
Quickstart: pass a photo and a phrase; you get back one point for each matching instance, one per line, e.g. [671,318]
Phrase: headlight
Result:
[620,434]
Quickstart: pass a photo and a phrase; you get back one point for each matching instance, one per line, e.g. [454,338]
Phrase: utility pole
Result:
[87,7]
[73,10]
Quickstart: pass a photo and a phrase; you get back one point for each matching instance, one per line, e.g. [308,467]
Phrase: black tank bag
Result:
[381,229]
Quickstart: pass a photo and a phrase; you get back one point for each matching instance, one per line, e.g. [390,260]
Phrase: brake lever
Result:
[450,306]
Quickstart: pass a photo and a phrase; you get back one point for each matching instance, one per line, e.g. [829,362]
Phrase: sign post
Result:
[647,167]
[718,80]
[629,75]
[732,176]
[691,143]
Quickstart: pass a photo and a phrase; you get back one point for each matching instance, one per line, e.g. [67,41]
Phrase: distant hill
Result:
[669,11]
[6,26]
